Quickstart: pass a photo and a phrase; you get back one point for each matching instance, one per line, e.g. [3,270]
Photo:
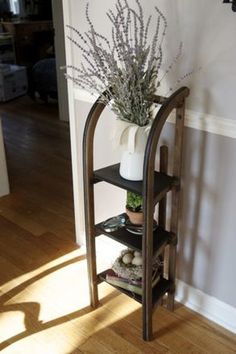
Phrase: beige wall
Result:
[207,29]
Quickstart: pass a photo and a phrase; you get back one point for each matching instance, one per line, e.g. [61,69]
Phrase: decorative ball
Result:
[127,258]
[138,261]
[137,254]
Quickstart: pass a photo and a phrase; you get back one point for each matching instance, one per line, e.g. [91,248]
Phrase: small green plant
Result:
[134,202]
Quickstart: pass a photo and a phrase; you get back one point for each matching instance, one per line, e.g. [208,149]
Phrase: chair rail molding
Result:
[196,120]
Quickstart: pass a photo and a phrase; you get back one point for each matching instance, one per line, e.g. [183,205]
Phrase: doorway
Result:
[36,130]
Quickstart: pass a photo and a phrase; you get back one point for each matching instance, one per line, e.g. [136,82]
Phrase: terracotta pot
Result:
[135,218]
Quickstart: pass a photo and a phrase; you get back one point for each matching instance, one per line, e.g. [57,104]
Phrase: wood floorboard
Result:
[44,300]
[39,165]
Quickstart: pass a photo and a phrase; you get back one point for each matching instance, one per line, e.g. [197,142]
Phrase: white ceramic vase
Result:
[131,166]
[132,139]
[132,159]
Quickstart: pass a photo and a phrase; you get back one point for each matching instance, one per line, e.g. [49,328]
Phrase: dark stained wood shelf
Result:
[162,182]
[153,189]
[160,238]
[159,290]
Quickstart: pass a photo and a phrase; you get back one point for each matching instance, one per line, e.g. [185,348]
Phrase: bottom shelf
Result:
[162,287]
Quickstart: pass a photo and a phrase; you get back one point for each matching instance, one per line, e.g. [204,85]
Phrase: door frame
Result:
[59,44]
[77,171]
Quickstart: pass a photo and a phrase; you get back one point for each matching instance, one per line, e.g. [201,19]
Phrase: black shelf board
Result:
[161,288]
[160,237]
[162,182]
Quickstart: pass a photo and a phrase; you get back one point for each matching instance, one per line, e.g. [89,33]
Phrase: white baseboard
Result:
[196,120]
[206,305]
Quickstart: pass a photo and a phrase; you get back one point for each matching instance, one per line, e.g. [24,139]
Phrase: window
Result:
[15,6]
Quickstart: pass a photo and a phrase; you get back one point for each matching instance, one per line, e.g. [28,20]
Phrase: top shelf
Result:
[162,182]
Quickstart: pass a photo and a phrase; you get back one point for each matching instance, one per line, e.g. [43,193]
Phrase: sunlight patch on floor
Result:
[29,275]
[67,333]
[55,316]
[58,293]
[13,324]
[60,339]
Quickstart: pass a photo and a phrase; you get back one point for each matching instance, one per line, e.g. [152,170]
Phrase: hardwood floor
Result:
[39,165]
[44,306]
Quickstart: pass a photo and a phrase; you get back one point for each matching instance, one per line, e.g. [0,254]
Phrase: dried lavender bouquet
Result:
[127,66]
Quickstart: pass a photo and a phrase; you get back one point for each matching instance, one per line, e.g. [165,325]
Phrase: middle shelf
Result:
[161,237]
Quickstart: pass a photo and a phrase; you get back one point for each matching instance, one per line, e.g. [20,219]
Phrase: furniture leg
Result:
[178,148]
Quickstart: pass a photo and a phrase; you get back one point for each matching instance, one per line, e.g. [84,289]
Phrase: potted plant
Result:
[127,66]
[134,208]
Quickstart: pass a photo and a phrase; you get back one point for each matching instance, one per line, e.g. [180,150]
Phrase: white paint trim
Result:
[82,95]
[74,129]
[200,121]
[206,305]
[209,123]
